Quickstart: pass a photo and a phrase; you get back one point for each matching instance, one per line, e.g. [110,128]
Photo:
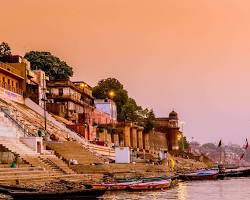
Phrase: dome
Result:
[173,115]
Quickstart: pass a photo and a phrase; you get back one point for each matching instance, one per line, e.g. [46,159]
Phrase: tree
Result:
[55,68]
[127,108]
[5,49]
[104,86]
[149,120]
[184,143]
[129,111]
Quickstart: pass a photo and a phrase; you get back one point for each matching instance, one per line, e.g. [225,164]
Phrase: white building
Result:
[108,106]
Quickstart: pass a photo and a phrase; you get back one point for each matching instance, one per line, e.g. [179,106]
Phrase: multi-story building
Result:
[36,89]
[70,100]
[15,74]
[107,106]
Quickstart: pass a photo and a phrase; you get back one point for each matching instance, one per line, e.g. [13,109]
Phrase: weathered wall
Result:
[157,141]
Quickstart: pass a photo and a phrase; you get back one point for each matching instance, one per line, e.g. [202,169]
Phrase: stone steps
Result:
[75,151]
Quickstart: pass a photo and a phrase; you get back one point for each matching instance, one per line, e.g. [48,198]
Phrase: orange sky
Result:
[189,55]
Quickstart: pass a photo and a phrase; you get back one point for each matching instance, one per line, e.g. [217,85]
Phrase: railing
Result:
[11,69]
[69,96]
[20,126]
[11,88]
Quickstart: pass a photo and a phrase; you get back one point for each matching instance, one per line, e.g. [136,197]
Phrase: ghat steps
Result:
[72,150]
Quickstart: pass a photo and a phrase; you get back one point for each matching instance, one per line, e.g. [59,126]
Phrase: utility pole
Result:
[44,99]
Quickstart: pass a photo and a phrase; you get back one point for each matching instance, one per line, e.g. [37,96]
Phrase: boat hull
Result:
[157,185]
[210,174]
[79,194]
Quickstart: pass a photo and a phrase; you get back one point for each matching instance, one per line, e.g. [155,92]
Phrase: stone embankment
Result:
[136,170]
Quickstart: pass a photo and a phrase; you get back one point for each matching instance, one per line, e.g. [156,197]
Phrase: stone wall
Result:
[157,141]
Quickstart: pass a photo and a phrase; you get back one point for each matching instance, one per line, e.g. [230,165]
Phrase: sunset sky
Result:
[190,55]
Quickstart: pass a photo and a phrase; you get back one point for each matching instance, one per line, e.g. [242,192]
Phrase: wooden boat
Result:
[70,194]
[151,185]
[143,179]
[140,184]
[114,185]
[239,172]
[208,174]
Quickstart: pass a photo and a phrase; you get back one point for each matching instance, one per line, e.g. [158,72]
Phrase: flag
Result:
[242,156]
[246,145]
[219,145]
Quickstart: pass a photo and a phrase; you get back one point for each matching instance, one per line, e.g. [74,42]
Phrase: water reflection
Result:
[182,191]
[210,190]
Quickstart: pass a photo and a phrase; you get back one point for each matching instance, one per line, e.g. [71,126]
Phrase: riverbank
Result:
[136,170]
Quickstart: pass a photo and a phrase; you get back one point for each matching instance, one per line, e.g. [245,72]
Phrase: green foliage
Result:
[183,143]
[5,49]
[127,108]
[129,111]
[111,84]
[55,68]
[149,120]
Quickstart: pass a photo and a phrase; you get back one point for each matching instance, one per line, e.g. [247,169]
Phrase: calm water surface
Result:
[229,189]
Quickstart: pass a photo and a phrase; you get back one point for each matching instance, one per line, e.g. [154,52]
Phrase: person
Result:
[40,132]
[14,162]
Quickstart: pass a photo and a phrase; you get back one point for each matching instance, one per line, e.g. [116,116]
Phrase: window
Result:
[3,79]
[8,81]
[12,83]
[60,91]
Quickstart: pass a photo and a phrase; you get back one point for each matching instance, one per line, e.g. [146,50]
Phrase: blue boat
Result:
[205,174]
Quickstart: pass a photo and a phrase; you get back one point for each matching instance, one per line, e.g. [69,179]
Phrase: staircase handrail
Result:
[17,123]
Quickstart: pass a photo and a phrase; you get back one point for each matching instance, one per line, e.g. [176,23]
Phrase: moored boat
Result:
[151,185]
[208,174]
[114,185]
[69,194]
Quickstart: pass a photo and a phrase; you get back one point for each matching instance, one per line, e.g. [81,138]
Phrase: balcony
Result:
[12,89]
[11,70]
[69,97]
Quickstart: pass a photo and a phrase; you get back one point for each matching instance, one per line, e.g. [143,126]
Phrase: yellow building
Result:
[15,74]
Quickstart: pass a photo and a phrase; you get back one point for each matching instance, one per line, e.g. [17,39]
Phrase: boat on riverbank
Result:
[18,194]
[136,184]
[151,185]
[238,172]
[114,185]
[206,174]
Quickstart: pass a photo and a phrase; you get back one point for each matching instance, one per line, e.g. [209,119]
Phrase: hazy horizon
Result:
[192,56]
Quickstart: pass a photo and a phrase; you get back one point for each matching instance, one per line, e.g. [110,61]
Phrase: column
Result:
[146,141]
[139,138]
[134,137]
[126,132]
[116,139]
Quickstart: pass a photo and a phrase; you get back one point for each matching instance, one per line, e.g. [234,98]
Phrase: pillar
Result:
[134,137]
[108,138]
[116,139]
[140,138]
[126,133]
[146,141]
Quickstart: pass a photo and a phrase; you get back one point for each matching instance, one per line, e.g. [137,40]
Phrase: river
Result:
[227,189]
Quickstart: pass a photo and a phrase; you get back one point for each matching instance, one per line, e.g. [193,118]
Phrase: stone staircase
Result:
[72,150]
[32,121]
[37,175]
[49,162]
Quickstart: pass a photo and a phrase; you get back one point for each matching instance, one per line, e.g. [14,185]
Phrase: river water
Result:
[227,189]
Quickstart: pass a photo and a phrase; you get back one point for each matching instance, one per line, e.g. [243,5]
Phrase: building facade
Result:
[70,101]
[107,106]
[15,74]
[169,126]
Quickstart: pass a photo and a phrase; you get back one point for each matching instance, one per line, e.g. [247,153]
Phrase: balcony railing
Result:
[11,88]
[11,69]
[69,96]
